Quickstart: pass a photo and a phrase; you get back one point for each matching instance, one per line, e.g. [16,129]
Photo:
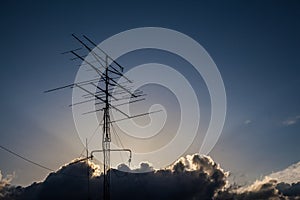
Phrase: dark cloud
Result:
[291,190]
[191,177]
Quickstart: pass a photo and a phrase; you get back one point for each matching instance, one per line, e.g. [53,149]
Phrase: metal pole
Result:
[106,139]
[88,169]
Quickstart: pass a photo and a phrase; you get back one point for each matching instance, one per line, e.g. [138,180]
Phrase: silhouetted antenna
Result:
[106,90]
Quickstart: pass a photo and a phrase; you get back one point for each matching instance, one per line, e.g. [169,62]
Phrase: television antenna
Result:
[108,71]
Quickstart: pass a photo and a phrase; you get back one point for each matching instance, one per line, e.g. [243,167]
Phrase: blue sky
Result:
[254,44]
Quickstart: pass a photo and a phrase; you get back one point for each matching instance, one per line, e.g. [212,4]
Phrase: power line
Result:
[26,159]
[39,165]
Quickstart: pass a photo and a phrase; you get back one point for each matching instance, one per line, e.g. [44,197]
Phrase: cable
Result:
[89,139]
[117,137]
[26,159]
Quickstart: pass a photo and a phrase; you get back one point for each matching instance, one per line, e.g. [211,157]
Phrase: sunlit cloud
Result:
[270,187]
[288,175]
[6,180]
[291,121]
[248,121]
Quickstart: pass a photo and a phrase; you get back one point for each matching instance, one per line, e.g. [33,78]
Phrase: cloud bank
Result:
[267,189]
[191,177]
[282,185]
[289,175]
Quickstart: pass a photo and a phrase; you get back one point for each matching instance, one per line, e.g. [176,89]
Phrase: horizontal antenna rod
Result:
[102,100]
[72,85]
[101,109]
[122,68]
[135,116]
[97,57]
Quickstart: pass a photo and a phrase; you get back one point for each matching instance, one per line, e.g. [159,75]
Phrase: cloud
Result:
[5,181]
[289,175]
[283,185]
[191,177]
[248,121]
[267,189]
[291,121]
[5,188]
[144,168]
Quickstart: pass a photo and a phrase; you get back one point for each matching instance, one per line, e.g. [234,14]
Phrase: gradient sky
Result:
[255,45]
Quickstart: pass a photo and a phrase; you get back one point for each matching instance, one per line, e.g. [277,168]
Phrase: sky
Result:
[254,44]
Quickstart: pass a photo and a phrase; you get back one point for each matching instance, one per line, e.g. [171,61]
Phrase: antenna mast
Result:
[106,137]
[104,96]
